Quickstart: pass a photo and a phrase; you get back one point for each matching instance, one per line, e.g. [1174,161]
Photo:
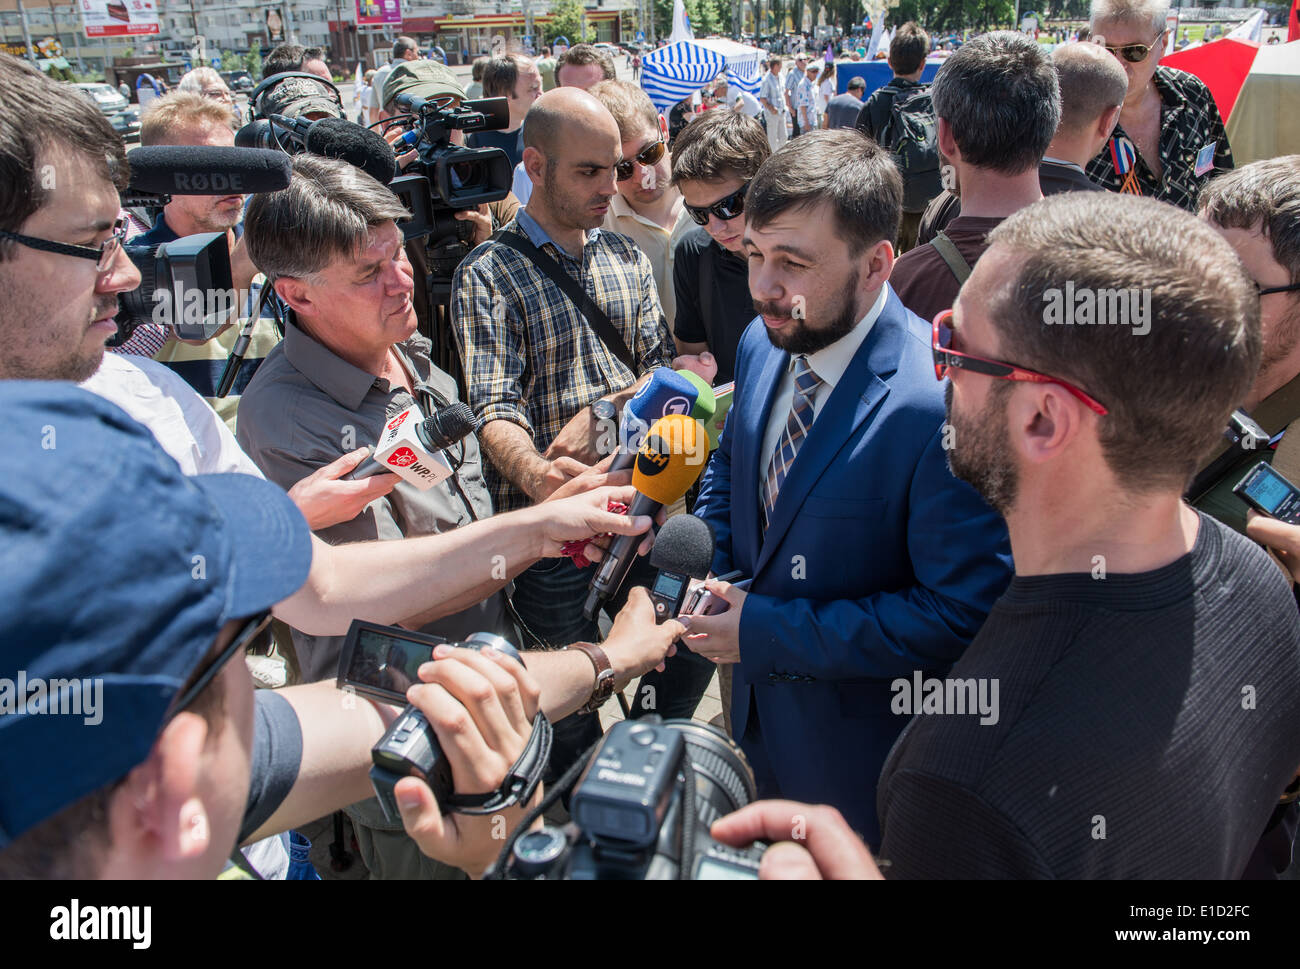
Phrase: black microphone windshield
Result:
[336,138]
[207,170]
[449,425]
[684,544]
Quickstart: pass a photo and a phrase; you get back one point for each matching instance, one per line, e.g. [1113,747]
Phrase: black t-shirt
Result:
[276,757]
[713,301]
[1146,725]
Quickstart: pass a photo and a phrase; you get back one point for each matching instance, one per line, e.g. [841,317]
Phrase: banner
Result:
[119,18]
[379,12]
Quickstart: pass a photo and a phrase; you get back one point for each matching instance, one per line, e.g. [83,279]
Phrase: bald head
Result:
[1092,82]
[567,116]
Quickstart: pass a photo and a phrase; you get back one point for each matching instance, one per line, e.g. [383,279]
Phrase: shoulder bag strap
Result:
[952,256]
[593,314]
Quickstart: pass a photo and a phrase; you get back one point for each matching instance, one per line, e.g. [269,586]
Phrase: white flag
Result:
[1252,29]
[877,30]
[681,24]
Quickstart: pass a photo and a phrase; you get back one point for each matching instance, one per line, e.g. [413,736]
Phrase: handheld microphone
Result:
[666,392]
[206,170]
[412,447]
[683,551]
[665,467]
[705,404]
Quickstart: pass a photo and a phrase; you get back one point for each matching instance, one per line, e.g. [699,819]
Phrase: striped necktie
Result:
[796,429]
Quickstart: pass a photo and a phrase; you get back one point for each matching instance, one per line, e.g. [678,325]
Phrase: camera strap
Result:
[592,313]
[520,782]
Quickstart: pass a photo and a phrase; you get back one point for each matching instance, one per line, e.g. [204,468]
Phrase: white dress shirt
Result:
[829,364]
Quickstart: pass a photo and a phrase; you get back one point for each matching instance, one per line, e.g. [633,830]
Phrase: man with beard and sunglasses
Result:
[868,562]
[1170,139]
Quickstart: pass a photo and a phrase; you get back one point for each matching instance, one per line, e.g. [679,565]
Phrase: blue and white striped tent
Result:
[671,74]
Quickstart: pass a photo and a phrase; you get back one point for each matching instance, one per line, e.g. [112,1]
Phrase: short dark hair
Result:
[856,82]
[719,145]
[1000,96]
[842,167]
[39,115]
[1263,194]
[908,48]
[326,212]
[283,60]
[1168,390]
[580,55]
[501,74]
[476,70]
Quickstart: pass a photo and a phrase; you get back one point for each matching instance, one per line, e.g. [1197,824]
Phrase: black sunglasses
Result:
[725,209]
[649,155]
[256,627]
[1135,53]
[103,254]
[1265,291]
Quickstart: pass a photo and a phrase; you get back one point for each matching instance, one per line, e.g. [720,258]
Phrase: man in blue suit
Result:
[830,490]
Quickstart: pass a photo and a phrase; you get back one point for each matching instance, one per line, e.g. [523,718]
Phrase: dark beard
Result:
[981,449]
[801,338]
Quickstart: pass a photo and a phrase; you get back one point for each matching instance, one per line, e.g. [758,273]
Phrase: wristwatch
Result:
[604,685]
[603,409]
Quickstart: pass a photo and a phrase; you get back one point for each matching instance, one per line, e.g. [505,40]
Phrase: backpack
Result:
[911,134]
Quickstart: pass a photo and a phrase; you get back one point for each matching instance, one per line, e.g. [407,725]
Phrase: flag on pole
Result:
[1293,25]
[876,31]
[681,24]
[356,87]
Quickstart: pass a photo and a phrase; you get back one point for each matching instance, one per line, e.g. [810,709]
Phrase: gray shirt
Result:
[305,407]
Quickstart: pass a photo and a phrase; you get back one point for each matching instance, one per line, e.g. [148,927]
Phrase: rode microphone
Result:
[683,551]
[433,434]
[666,392]
[665,467]
[206,170]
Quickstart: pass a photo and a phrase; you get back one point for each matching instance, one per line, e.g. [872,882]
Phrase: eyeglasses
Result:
[1135,53]
[1265,291]
[945,357]
[103,254]
[248,635]
[218,94]
[649,155]
[725,209]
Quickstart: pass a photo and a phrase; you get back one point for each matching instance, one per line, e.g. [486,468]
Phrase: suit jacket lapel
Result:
[855,397]
[746,458]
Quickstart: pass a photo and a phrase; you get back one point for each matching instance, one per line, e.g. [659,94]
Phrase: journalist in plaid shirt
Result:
[529,355]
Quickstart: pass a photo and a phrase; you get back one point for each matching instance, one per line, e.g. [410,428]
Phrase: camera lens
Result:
[724,781]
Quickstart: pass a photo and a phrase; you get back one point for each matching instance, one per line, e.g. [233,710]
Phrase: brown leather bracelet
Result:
[604,685]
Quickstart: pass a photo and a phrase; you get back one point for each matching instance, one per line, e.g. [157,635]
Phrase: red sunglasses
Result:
[945,357]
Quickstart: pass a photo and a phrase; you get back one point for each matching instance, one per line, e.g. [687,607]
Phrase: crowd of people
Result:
[993,606]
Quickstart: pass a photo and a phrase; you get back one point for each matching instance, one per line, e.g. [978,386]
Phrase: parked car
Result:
[106,98]
[241,82]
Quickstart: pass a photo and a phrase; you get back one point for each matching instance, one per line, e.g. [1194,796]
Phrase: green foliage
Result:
[707,17]
[566,21]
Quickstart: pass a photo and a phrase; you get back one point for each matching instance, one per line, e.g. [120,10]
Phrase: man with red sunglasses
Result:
[1148,657]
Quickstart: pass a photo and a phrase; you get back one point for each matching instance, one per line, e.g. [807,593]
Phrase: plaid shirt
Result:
[1189,120]
[529,355]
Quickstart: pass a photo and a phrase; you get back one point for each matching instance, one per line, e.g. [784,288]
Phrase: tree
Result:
[707,17]
[566,21]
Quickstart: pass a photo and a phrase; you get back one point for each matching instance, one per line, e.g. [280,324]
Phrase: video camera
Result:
[642,810]
[186,283]
[459,177]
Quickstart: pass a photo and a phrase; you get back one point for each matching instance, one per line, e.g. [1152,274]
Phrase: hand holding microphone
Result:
[665,467]
[412,446]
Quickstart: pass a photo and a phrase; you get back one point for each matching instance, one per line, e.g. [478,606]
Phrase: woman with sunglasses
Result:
[1170,139]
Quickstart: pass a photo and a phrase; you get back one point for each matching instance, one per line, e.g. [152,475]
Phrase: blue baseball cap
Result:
[117,573]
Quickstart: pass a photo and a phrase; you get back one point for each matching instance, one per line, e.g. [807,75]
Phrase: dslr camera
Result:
[642,810]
